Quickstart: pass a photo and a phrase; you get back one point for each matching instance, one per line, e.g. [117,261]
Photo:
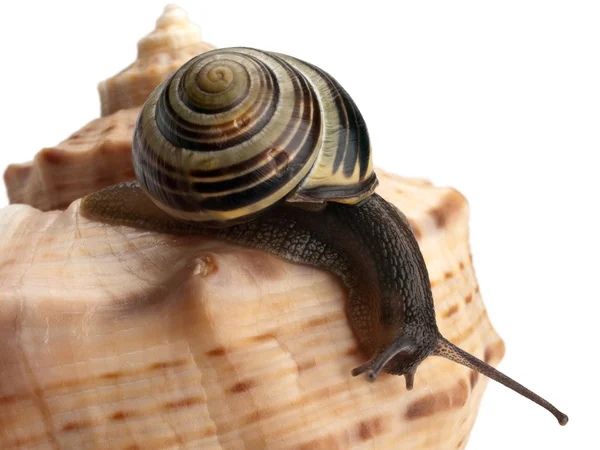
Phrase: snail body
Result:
[270,152]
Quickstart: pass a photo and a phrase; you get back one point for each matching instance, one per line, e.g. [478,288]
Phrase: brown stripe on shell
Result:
[450,205]
[183,96]
[218,137]
[347,191]
[354,142]
[289,406]
[268,185]
[430,404]
[199,172]
[416,229]
[370,428]
[242,386]
[450,311]
[256,186]
[169,364]
[28,441]
[494,352]
[306,365]
[352,351]
[119,416]
[274,162]
[322,320]
[236,188]
[143,371]
[183,403]
[264,337]
[153,163]
[75,426]
[122,415]
[12,398]
[461,335]
[252,186]
[218,351]
[326,442]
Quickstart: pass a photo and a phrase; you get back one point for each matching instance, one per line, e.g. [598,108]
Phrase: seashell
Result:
[94,157]
[114,337]
[174,41]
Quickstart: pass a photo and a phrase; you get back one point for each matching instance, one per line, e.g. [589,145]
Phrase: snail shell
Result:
[236,130]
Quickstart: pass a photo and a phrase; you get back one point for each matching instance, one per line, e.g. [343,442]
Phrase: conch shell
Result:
[96,156]
[174,42]
[114,337]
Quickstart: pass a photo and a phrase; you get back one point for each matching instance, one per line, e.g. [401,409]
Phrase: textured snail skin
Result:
[341,226]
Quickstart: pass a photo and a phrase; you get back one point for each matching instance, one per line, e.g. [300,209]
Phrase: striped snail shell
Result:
[236,130]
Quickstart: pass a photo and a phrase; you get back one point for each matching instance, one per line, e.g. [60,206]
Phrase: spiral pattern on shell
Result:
[234,131]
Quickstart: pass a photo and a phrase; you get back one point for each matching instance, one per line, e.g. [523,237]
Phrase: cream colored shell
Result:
[120,338]
[96,156]
[174,41]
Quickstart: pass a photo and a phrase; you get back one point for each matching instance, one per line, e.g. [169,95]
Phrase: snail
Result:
[267,151]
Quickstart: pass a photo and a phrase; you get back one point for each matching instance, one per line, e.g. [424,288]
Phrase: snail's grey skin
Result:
[349,231]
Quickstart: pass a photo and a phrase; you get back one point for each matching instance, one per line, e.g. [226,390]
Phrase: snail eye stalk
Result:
[402,346]
[450,351]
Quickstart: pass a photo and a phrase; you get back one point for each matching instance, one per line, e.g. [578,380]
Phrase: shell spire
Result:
[173,42]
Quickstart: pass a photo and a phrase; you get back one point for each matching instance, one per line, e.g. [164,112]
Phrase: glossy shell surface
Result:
[236,130]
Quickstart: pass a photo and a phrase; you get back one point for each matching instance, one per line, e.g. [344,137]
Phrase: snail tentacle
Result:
[450,351]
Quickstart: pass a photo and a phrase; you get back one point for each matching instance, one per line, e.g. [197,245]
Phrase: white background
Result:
[498,99]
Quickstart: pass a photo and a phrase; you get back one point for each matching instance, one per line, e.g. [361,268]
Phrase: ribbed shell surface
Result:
[236,130]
